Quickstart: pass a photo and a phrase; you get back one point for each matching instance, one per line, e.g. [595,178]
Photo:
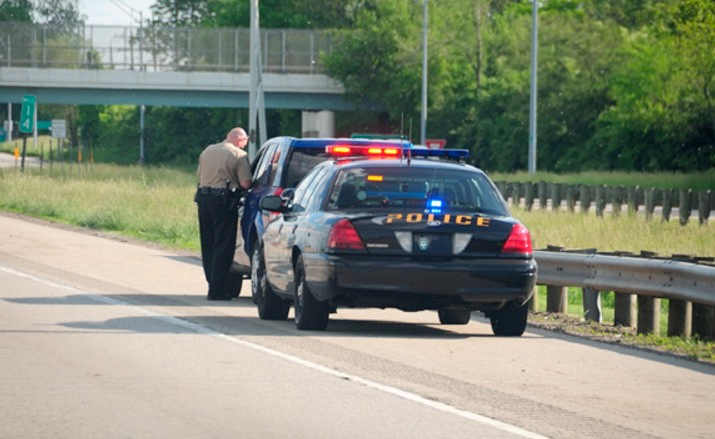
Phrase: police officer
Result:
[224,172]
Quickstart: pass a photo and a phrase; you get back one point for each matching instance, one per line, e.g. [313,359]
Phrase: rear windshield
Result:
[418,188]
[300,162]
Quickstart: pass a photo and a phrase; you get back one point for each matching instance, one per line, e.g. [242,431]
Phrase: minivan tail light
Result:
[519,241]
[343,236]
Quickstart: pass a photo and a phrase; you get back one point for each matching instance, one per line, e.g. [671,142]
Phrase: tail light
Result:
[343,236]
[519,241]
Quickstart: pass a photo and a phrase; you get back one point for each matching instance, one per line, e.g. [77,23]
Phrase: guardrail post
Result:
[516,193]
[570,198]
[633,196]
[648,315]
[600,199]
[704,320]
[555,189]
[585,198]
[616,197]
[542,195]
[624,310]
[533,303]
[667,204]
[649,195]
[703,206]
[528,195]
[680,318]
[592,304]
[685,205]
[557,299]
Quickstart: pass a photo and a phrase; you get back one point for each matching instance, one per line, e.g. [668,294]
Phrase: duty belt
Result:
[218,192]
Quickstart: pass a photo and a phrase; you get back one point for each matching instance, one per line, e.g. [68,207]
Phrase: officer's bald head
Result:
[238,137]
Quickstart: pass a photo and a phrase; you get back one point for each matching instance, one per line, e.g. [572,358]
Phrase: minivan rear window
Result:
[301,161]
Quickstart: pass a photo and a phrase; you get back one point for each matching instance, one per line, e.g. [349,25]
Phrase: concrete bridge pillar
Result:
[318,124]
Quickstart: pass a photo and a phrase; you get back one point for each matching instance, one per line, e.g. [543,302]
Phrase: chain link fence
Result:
[160,49]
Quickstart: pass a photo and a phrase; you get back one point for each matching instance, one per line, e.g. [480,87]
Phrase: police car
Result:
[393,227]
[281,162]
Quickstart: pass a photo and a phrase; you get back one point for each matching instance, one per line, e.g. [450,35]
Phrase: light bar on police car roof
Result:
[394,151]
[358,150]
[459,154]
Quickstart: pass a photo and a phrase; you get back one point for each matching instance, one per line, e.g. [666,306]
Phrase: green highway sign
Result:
[27,114]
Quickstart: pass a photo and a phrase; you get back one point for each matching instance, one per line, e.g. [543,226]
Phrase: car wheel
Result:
[234,282]
[450,316]
[309,313]
[270,306]
[510,320]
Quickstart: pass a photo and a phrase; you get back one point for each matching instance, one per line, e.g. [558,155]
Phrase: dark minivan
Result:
[280,163]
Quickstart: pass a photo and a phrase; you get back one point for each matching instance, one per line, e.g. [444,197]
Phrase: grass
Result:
[156,204]
[617,233]
[152,204]
[694,348]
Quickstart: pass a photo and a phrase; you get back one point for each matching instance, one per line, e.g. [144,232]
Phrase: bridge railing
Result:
[160,49]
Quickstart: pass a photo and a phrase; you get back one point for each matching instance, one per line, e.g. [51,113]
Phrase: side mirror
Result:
[287,194]
[272,203]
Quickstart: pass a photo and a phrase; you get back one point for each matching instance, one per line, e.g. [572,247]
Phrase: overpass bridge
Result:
[181,67]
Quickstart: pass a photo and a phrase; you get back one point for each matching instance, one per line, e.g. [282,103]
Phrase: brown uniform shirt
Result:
[220,162]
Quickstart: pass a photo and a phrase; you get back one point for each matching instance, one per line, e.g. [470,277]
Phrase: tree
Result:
[16,10]
[185,13]
[61,16]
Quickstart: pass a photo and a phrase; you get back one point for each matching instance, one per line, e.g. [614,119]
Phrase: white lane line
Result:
[201,329]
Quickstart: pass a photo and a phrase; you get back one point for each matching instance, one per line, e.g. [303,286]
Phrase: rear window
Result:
[300,162]
[418,188]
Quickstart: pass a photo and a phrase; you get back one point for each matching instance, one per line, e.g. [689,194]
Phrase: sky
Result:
[115,12]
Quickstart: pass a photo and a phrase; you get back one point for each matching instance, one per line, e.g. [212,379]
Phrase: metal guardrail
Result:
[689,286]
[160,49]
[658,278]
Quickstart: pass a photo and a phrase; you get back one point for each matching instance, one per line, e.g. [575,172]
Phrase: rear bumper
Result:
[425,284]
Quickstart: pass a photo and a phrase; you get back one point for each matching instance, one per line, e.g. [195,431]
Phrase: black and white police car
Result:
[393,227]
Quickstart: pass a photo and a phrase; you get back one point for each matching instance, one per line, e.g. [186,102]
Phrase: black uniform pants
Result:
[218,222]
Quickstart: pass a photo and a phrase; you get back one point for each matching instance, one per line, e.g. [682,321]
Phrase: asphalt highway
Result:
[101,337]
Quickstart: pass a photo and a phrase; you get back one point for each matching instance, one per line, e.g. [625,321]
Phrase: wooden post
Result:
[555,196]
[557,299]
[649,195]
[704,321]
[625,310]
[585,198]
[680,318]
[667,204]
[570,198]
[685,205]
[648,315]
[600,199]
[632,196]
[542,195]
[616,200]
[528,196]
[592,304]
[703,206]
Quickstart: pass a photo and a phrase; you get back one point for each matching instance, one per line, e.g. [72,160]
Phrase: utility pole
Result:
[133,13]
[423,119]
[257,108]
[532,103]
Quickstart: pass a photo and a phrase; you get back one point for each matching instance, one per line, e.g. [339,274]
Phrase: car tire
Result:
[234,282]
[270,306]
[310,314]
[510,321]
[451,316]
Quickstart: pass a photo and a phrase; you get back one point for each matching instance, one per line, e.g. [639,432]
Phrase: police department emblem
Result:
[423,243]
